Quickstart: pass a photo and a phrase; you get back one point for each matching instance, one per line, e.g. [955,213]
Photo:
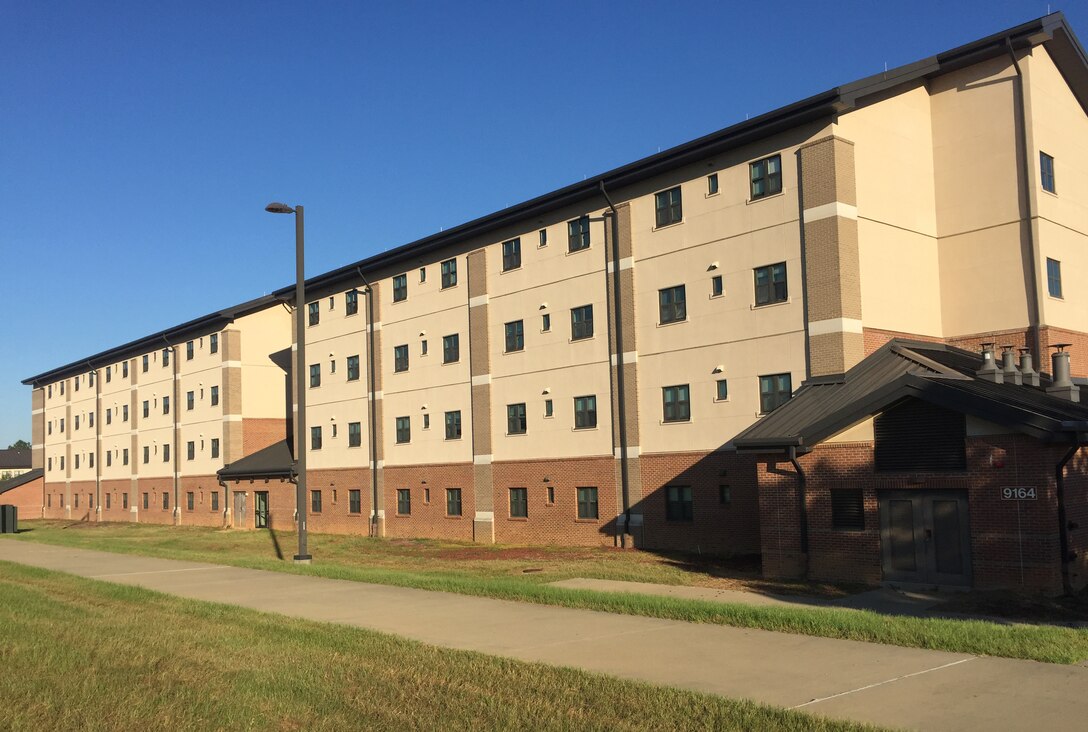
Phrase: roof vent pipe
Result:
[989,370]
[1027,373]
[1063,386]
[1008,366]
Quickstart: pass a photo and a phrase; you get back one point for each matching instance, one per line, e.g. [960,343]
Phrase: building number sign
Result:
[1018,494]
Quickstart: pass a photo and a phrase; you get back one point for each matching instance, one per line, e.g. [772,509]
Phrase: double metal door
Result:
[925,538]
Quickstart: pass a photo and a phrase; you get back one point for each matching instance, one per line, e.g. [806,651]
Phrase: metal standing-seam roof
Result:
[274,461]
[18,480]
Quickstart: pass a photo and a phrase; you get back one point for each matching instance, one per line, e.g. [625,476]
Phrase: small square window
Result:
[722,393]
[771,284]
[511,254]
[672,302]
[451,348]
[449,273]
[578,234]
[519,503]
[669,207]
[400,288]
[712,184]
[1054,277]
[515,419]
[766,176]
[717,287]
[847,509]
[453,501]
[404,501]
[1046,172]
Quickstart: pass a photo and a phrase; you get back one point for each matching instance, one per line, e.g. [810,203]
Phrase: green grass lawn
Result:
[500,572]
[81,654]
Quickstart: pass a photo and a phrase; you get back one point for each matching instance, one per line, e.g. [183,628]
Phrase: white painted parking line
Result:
[882,683]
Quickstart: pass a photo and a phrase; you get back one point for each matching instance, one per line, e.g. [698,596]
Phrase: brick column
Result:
[378,512]
[134,424]
[622,320]
[483,486]
[37,428]
[832,269]
[68,452]
[231,397]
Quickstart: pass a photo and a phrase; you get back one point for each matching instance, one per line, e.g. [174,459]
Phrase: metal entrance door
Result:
[260,509]
[925,538]
[239,510]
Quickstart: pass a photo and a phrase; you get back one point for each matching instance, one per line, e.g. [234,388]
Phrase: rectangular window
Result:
[717,287]
[404,501]
[215,500]
[315,438]
[766,176]
[449,273]
[515,419]
[669,207]
[90,419]
[722,392]
[585,412]
[353,368]
[587,503]
[725,494]
[215,447]
[165,501]
[422,275]
[548,412]
[77,462]
[124,412]
[677,405]
[90,460]
[355,501]
[847,509]
[542,238]
[76,495]
[146,363]
[545,322]
[515,336]
[109,458]
[215,396]
[1046,172]
[124,456]
[189,501]
[423,348]
[519,503]
[774,391]
[165,357]
[400,358]
[190,450]
[453,425]
[62,422]
[77,422]
[108,373]
[673,304]
[213,343]
[1054,277]
[771,284]
[355,434]
[678,503]
[315,375]
[145,501]
[404,429]
[453,501]
[147,454]
[451,348]
[578,234]
[351,302]
[166,405]
[190,401]
[124,369]
[400,288]
[581,322]
[189,351]
[315,313]
[426,421]
[166,452]
[315,501]
[511,254]
[712,184]
[124,501]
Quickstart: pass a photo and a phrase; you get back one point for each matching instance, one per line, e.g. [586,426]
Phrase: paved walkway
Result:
[887,685]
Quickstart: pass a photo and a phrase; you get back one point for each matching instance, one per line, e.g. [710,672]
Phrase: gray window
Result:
[587,503]
[1054,277]
[124,412]
[515,336]
[847,509]
[147,454]
[722,390]
[453,501]
[315,375]
[215,447]
[515,419]
[355,502]
[712,184]
[1046,172]
[146,363]
[109,503]
[766,176]
[585,412]
[166,452]
[315,313]
[404,429]
[315,501]
[189,500]
[124,369]
[451,348]
[165,501]
[422,274]
[215,501]
[165,361]
[449,273]
[545,322]
[400,288]
[215,396]
[190,450]
[578,234]
[109,417]
[669,207]
[213,343]
[519,503]
[124,457]
[542,238]
[426,421]
[190,400]
[400,358]
[511,254]
[108,374]
[717,287]
[166,405]
[673,304]
[771,284]
[109,458]
[548,408]
[353,368]
[90,419]
[677,406]
[774,391]
[145,500]
[581,322]
[351,302]
[315,438]
[355,434]
[453,425]
[188,351]
[423,348]
[678,504]
[404,501]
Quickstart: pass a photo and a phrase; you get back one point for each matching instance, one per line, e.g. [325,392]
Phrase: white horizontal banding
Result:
[376,325]
[628,357]
[37,446]
[478,300]
[835,208]
[481,459]
[377,394]
[485,516]
[481,380]
[381,513]
[633,451]
[625,263]
[834,325]
[379,464]
[235,364]
[233,417]
[36,411]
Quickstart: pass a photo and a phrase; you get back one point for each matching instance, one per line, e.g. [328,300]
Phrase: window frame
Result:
[314,309]
[449,273]
[1054,277]
[514,336]
[351,302]
[585,411]
[401,362]
[400,287]
[840,522]
[452,419]
[679,503]
[584,504]
[403,429]
[681,408]
[315,438]
[450,503]
[721,390]
[511,254]
[578,239]
[771,294]
[517,417]
[576,325]
[353,368]
[1047,178]
[668,207]
[670,308]
[355,501]
[404,501]
[315,375]
[759,174]
[774,398]
[315,500]
[518,502]
[355,434]
[451,348]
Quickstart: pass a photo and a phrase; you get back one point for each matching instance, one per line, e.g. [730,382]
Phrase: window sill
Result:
[1059,298]
[402,515]
[674,421]
[454,286]
[587,521]
[672,322]
[750,201]
[507,353]
[571,252]
[1049,193]
[517,434]
[452,439]
[579,340]
[787,301]
[512,269]
[517,518]
[721,401]
[716,297]
[454,518]
[584,429]
[667,226]
[715,194]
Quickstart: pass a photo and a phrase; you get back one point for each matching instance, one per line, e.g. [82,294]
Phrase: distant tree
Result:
[19,445]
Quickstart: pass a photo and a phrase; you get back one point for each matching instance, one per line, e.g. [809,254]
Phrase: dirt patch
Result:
[526,554]
[1027,608]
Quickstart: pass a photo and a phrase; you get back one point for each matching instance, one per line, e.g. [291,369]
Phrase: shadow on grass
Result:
[276,544]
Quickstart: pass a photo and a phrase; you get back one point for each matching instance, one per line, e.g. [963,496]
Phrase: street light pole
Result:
[303,557]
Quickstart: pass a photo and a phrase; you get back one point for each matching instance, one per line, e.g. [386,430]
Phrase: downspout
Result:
[1025,194]
[97,442]
[370,403]
[1063,523]
[174,441]
[620,393]
[226,501]
[802,505]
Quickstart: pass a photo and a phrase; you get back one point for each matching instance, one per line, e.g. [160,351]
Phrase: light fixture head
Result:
[713,266]
[276,207]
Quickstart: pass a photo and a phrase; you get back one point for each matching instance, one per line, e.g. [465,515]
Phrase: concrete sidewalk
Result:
[887,685]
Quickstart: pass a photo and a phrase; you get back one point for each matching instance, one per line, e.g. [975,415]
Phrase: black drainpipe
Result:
[370,402]
[97,440]
[1025,193]
[802,506]
[624,480]
[1063,523]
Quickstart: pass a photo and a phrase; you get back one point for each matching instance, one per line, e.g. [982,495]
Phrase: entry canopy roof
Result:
[932,372]
[274,461]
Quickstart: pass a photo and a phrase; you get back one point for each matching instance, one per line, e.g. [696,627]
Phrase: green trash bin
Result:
[9,519]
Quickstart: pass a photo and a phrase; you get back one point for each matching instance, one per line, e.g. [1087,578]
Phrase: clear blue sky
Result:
[140,141]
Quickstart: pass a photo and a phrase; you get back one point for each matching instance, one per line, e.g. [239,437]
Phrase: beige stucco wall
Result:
[264,333]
